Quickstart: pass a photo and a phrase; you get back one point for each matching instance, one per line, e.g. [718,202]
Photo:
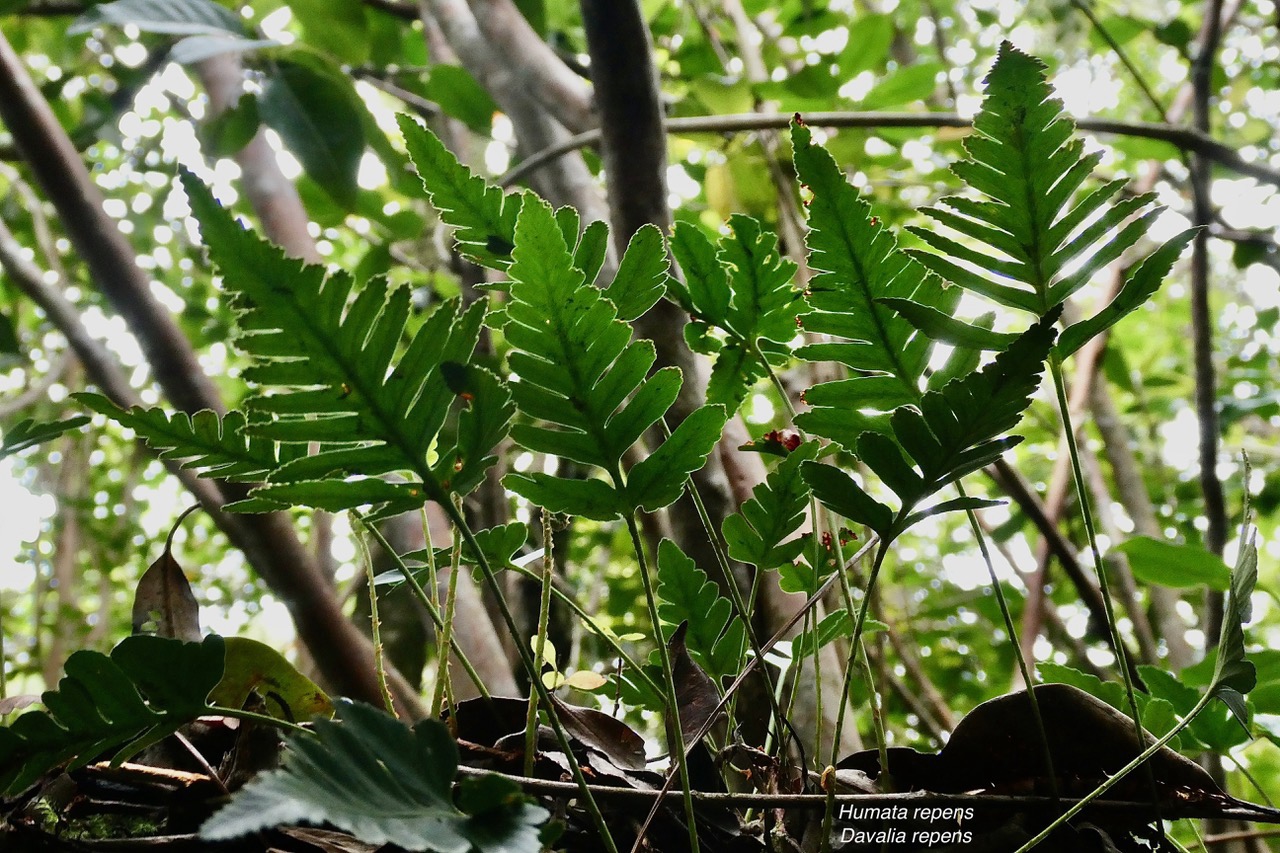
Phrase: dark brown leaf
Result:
[164,599]
[696,694]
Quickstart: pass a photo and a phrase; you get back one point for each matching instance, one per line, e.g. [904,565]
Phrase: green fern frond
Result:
[952,432]
[742,286]
[330,370]
[483,216]
[143,692]
[219,446]
[583,386]
[29,433]
[858,264]
[755,534]
[1035,236]
[716,637]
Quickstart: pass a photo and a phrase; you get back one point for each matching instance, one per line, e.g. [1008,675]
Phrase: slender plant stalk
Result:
[1104,585]
[532,669]
[426,601]
[544,617]
[375,629]
[443,678]
[1027,676]
[678,750]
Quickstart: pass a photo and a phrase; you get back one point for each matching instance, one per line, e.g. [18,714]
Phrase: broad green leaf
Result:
[28,433]
[219,446]
[909,85]
[755,534]
[1173,565]
[254,667]
[144,691]
[318,115]
[170,17]
[461,96]
[716,637]
[229,132]
[483,216]
[194,49]
[339,29]
[372,776]
[659,479]
[642,274]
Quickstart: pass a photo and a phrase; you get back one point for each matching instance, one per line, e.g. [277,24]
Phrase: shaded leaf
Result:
[483,216]
[696,694]
[659,479]
[403,796]
[29,433]
[838,492]
[755,534]
[163,599]
[318,115]
[144,691]
[642,274]
[716,637]
[171,17]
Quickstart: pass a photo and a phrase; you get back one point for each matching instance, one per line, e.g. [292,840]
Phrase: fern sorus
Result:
[1034,237]
[583,386]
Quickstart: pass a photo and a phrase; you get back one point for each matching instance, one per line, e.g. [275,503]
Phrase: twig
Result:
[1184,138]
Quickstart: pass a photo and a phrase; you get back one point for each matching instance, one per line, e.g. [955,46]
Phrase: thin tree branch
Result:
[1183,138]
[544,75]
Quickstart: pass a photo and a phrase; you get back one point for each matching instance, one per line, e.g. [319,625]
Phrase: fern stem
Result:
[735,594]
[676,732]
[1027,676]
[846,592]
[533,671]
[443,684]
[425,600]
[877,710]
[544,617]
[375,629]
[586,620]
[1104,585]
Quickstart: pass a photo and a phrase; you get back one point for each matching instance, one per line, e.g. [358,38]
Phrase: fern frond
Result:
[583,384]
[483,216]
[716,637]
[755,534]
[952,432]
[857,264]
[742,286]
[328,364]
[1035,236]
[29,433]
[219,446]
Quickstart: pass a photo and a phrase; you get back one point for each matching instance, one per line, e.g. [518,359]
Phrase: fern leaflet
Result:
[583,385]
